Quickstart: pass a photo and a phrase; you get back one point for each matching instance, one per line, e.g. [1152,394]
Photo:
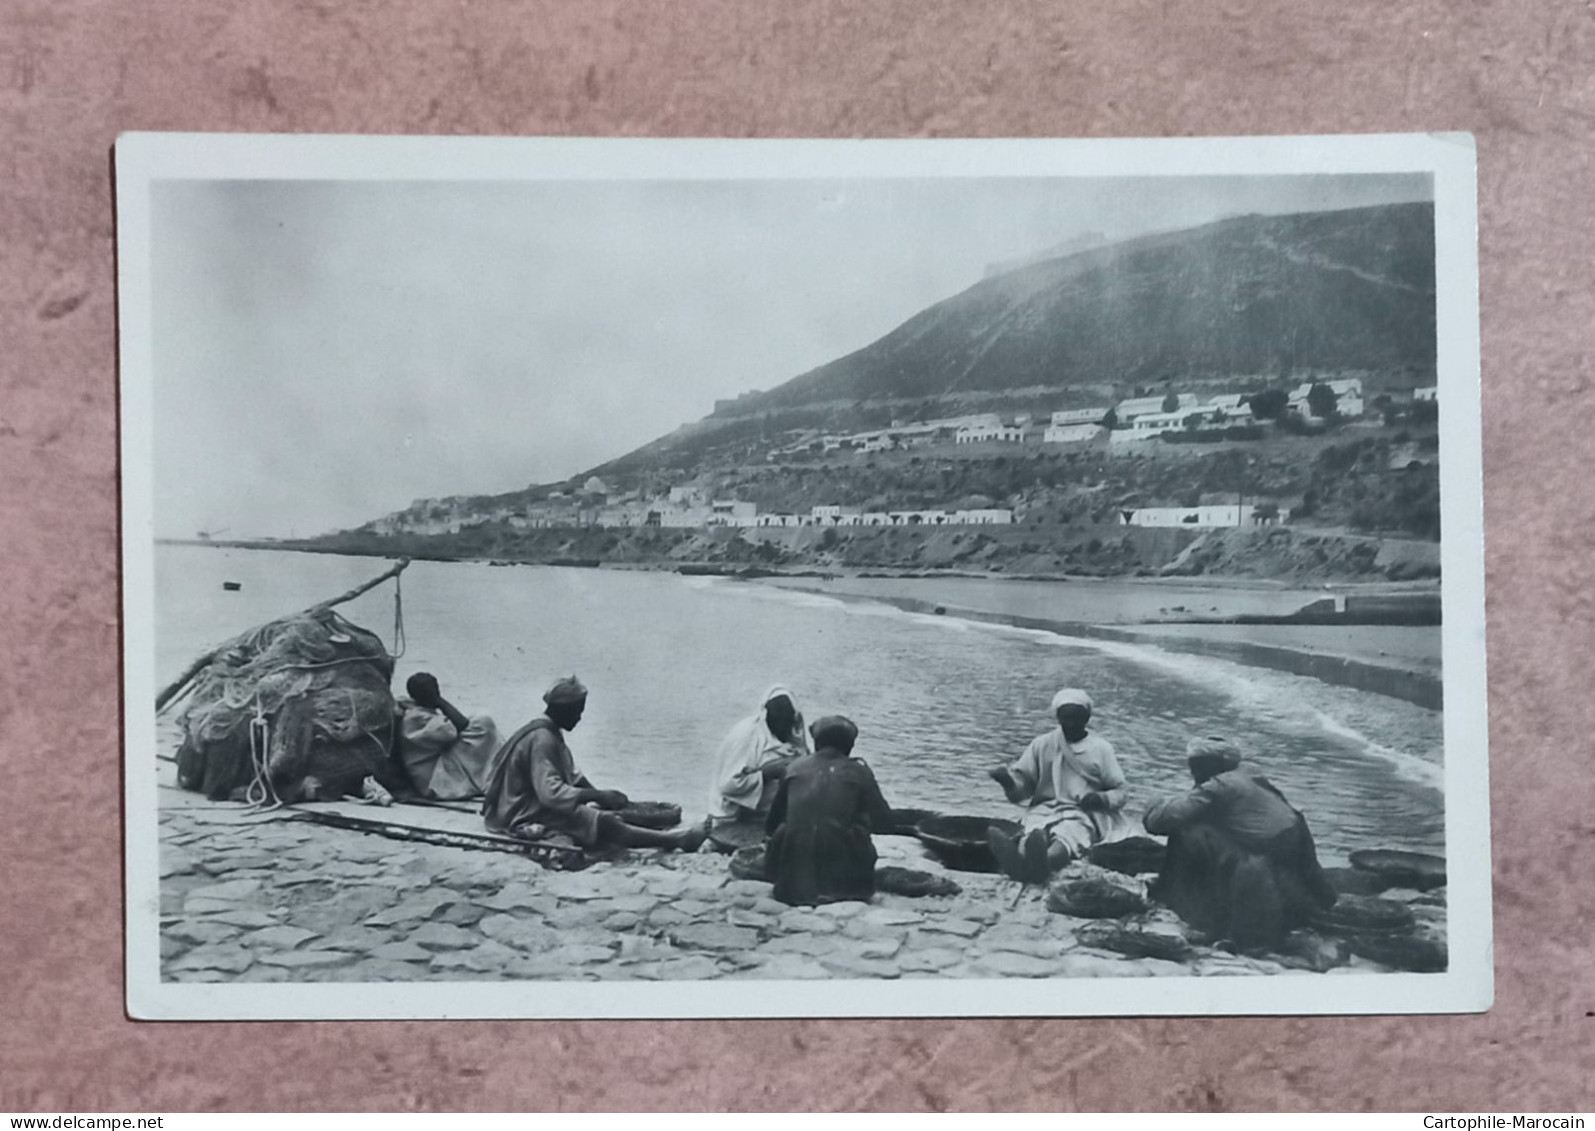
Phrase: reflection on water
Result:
[673,661]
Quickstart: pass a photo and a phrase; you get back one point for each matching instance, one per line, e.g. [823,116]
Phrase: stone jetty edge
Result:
[285,900]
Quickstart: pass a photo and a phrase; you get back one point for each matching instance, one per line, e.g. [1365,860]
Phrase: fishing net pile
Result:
[295,710]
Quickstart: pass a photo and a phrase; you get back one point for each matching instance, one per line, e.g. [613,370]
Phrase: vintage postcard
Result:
[633,578]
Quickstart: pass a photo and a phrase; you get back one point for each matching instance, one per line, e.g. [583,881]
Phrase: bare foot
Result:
[1006,850]
[1038,868]
[692,839]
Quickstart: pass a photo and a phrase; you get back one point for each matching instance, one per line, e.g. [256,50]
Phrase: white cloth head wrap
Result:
[1071,695]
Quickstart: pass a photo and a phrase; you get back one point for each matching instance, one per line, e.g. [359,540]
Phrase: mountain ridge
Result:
[1154,307]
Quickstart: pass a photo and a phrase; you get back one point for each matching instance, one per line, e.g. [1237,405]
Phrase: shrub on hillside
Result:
[1215,435]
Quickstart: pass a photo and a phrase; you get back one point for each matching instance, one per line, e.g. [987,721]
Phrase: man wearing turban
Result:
[534,788]
[1241,865]
[1075,791]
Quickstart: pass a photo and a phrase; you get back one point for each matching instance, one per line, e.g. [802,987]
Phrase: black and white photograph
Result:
[650,578]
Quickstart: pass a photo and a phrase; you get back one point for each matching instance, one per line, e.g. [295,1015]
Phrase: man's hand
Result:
[1094,802]
[426,693]
[1002,777]
[611,799]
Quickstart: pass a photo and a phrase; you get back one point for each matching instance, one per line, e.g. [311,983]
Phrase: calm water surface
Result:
[671,662]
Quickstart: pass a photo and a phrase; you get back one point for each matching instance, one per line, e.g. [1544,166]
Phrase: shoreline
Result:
[1203,582]
[1408,669]
[1249,621]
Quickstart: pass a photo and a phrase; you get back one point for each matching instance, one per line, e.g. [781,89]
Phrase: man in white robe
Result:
[445,753]
[754,755]
[1074,790]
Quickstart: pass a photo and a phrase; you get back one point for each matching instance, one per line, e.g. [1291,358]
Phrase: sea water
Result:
[672,662]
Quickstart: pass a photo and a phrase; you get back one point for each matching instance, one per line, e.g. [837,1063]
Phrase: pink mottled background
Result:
[73,73]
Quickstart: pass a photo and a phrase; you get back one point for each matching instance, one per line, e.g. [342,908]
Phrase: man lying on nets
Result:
[533,787]
[445,754]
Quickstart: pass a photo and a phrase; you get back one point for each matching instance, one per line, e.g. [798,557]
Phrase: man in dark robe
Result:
[827,805]
[534,788]
[1240,864]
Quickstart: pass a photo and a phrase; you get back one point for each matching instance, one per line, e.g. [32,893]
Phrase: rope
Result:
[399,639]
[261,790]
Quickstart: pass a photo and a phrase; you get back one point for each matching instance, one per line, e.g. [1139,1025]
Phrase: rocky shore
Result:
[276,899]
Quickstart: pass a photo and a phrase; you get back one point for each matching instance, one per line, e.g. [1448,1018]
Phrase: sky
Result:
[328,352]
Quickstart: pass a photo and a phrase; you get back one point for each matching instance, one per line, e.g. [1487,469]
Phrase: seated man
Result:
[1241,865]
[533,787]
[825,808]
[754,756]
[1075,792]
[445,754]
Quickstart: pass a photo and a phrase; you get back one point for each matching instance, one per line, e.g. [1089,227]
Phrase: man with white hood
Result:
[1075,791]
[754,755]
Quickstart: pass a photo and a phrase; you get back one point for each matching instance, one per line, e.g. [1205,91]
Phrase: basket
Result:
[905,821]
[960,842]
[1401,869]
[651,815]
[1365,915]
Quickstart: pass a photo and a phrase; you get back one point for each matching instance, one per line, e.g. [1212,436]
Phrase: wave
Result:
[1288,700]
[1299,703]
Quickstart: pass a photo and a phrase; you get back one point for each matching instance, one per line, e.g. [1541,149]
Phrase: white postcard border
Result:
[1468,984]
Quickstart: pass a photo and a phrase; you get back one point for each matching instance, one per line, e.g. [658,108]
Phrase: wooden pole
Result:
[171,690]
[402,565]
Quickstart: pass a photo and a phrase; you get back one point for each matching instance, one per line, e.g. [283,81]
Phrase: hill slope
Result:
[1351,289]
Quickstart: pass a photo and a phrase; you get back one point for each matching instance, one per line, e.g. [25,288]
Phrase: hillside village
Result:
[1254,396]
[1124,428]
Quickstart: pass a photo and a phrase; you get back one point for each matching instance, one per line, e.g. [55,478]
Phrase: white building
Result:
[1232,405]
[983,433]
[1150,425]
[1078,416]
[1226,514]
[731,512]
[678,517]
[1427,393]
[1348,397]
[622,514]
[1130,410]
[987,516]
[834,515]
[1070,433]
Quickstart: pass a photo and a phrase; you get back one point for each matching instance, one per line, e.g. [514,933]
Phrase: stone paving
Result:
[276,899]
